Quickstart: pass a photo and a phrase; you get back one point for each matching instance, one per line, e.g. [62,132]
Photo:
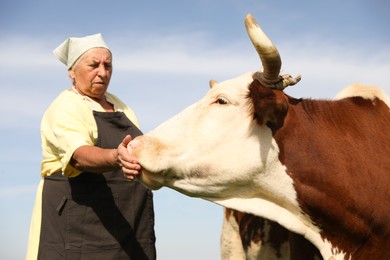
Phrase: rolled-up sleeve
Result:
[64,128]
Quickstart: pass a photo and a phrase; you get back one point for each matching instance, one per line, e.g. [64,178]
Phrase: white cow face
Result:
[214,139]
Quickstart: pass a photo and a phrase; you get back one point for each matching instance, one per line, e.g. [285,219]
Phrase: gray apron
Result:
[98,216]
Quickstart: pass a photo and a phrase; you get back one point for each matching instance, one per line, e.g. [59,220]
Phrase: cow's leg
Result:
[231,244]
[245,236]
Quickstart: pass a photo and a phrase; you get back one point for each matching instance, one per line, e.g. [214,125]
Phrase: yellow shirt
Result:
[69,123]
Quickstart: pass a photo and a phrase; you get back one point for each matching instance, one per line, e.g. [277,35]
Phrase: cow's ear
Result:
[270,106]
[213,83]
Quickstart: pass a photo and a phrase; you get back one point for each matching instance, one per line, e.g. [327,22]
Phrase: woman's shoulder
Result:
[67,95]
[67,100]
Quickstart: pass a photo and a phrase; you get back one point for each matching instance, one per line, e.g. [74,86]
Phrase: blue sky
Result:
[165,52]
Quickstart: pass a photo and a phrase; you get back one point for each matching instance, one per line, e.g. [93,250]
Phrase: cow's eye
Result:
[222,101]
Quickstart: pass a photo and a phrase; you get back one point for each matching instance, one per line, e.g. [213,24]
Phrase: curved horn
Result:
[268,53]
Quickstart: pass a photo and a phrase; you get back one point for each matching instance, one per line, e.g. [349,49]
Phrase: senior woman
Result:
[85,208]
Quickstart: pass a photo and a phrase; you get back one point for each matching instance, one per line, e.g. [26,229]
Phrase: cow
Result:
[317,170]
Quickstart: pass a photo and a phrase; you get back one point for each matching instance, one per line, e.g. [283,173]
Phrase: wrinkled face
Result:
[91,74]
[211,149]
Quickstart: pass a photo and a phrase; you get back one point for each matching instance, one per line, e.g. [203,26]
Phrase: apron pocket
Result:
[92,222]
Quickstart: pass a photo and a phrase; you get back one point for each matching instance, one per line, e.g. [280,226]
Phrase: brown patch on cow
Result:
[270,106]
[337,153]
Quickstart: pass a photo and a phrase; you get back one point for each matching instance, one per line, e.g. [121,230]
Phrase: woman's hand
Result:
[127,161]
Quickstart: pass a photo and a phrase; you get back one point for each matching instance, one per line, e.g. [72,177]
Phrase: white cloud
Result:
[18,52]
[18,190]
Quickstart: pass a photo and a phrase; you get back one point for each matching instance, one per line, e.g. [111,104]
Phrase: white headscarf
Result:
[72,48]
